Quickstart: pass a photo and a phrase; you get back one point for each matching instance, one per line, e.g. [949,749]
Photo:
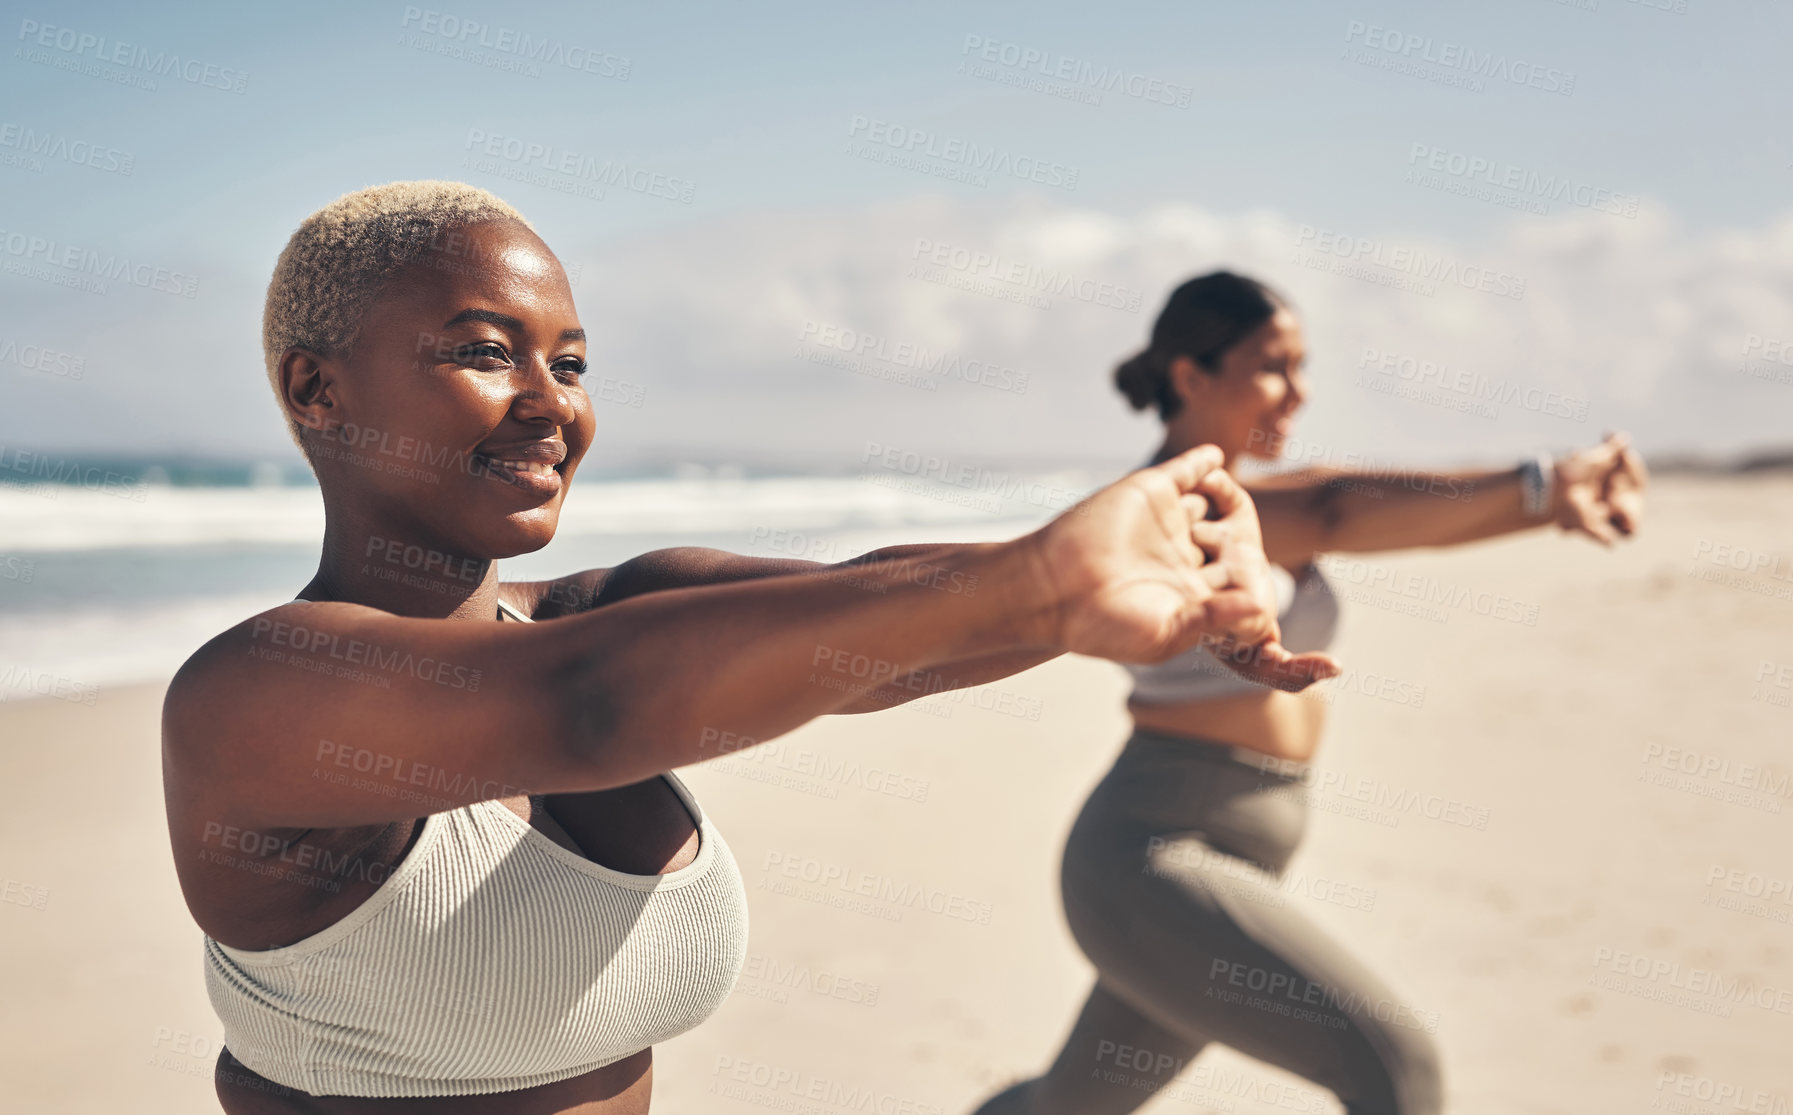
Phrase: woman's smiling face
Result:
[1247,405]
[458,414]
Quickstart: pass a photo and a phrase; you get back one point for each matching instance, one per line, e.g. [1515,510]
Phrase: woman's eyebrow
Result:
[490,317]
[505,321]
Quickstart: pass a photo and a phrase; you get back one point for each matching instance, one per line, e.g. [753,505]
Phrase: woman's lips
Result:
[536,477]
[532,466]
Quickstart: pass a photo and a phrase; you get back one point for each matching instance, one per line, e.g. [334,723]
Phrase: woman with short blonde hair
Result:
[426,819]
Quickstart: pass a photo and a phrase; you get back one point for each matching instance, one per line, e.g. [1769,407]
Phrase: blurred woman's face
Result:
[459,416]
[1248,407]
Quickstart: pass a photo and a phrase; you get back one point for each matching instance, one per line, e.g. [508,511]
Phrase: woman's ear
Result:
[1188,381]
[307,385]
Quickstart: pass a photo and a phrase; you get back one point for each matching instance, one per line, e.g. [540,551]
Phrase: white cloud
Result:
[1641,318]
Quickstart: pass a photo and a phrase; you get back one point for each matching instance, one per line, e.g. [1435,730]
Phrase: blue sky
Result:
[1297,116]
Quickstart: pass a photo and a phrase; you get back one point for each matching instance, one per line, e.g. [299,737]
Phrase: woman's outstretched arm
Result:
[1598,492]
[259,720]
[926,563]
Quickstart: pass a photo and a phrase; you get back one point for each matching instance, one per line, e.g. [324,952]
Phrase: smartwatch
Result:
[1537,485]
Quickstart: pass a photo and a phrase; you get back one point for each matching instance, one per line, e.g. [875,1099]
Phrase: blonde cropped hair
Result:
[341,256]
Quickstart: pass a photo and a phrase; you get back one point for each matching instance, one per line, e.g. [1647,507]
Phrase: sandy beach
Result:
[1553,808]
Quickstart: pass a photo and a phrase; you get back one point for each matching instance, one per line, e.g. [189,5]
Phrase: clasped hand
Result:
[1168,558]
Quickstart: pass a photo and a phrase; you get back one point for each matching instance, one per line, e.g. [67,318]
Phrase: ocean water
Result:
[115,583]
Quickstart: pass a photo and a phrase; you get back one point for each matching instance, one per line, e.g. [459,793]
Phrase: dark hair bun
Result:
[1141,380]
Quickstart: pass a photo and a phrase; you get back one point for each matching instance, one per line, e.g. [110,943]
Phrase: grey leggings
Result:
[1170,887]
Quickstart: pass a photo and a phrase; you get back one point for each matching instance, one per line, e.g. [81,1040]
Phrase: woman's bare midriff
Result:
[1281,725]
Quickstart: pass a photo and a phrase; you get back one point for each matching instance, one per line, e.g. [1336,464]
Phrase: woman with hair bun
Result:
[1170,872]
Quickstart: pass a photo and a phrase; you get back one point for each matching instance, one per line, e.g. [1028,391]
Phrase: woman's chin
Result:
[523,533]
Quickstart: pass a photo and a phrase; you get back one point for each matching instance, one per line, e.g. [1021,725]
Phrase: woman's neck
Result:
[384,567]
[1180,437]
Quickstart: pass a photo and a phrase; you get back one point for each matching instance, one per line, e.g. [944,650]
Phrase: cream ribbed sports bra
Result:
[491,959]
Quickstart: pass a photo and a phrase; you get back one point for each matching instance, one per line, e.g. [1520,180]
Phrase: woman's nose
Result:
[544,398]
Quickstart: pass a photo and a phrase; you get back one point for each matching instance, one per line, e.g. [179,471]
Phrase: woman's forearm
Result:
[1358,512]
[925,564]
[929,564]
[665,672]
[949,676]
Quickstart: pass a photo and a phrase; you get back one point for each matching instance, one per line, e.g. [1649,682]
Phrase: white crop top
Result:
[491,959]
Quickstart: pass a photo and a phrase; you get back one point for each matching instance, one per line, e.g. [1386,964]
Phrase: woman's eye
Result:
[476,354]
[468,354]
[572,364]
